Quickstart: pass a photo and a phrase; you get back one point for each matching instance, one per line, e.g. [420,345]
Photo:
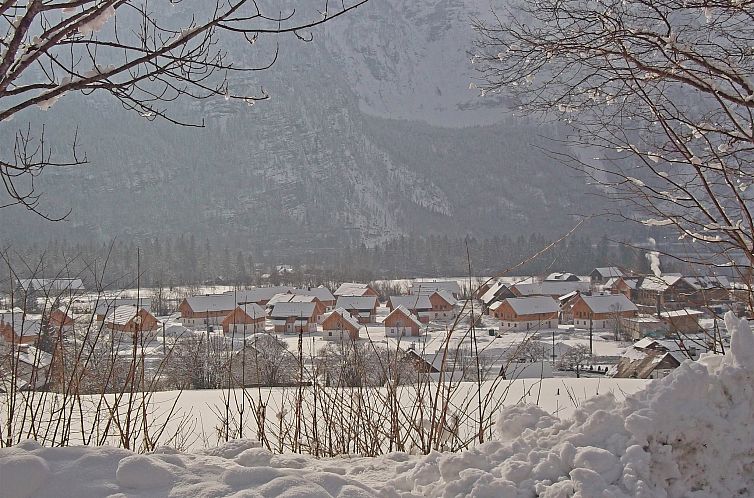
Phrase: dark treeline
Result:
[186,261]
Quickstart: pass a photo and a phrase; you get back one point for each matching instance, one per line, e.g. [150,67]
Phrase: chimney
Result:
[657,304]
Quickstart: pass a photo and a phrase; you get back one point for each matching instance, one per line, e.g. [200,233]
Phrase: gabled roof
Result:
[551,288]
[121,315]
[658,283]
[608,271]
[631,282]
[23,326]
[492,293]
[290,298]
[405,311]
[345,315]
[211,302]
[418,302]
[447,296]
[420,286]
[52,284]
[532,305]
[351,289]
[258,294]
[640,364]
[104,305]
[566,297]
[609,303]
[356,302]
[562,277]
[300,310]
[253,310]
[683,312]
[709,282]
[321,293]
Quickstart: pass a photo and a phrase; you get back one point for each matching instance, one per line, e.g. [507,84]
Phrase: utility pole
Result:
[591,351]
[553,345]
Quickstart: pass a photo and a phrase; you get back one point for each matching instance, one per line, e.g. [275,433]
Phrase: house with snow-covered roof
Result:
[562,277]
[339,325]
[667,291]
[61,321]
[437,305]
[628,286]
[258,295]
[245,319]
[47,288]
[425,286]
[603,274]
[526,313]
[400,323]
[497,291]
[601,311]
[130,319]
[294,318]
[18,327]
[105,305]
[552,289]
[206,310]
[648,359]
[682,321]
[354,289]
[363,308]
[323,294]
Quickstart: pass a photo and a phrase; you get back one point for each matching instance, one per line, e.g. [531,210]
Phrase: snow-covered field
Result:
[690,434]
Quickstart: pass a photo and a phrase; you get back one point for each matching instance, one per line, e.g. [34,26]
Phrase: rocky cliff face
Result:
[371,132]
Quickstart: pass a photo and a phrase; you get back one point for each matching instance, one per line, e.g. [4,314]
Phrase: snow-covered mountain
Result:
[371,131]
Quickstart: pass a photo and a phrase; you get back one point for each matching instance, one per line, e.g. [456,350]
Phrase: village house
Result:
[130,319]
[296,298]
[294,318]
[664,292]
[105,305]
[363,308]
[322,294]
[437,305]
[526,313]
[562,277]
[682,321]
[648,359]
[601,275]
[400,322]
[17,327]
[667,324]
[245,319]
[553,289]
[496,292]
[601,311]
[708,290]
[339,325]
[423,286]
[60,321]
[640,326]
[354,289]
[53,289]
[31,365]
[443,304]
[628,286]
[207,310]
[419,305]
[257,295]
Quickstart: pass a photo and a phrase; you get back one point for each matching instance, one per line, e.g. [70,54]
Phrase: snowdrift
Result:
[690,434]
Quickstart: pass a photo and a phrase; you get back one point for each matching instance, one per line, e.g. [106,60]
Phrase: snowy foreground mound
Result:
[688,435]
